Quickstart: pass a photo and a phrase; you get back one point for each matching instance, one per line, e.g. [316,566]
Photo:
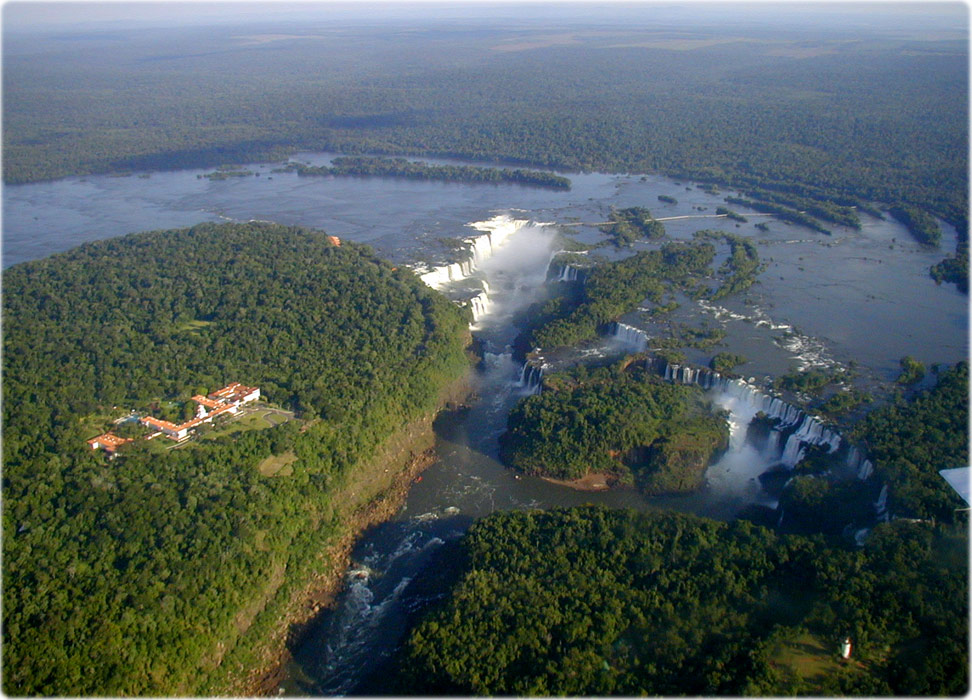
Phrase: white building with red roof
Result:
[109,442]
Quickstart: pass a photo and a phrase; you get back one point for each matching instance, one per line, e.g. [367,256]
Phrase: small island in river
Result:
[615,425]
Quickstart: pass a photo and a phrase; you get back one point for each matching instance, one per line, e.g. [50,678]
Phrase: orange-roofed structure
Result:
[235,393]
[207,402]
[109,442]
[226,400]
[335,240]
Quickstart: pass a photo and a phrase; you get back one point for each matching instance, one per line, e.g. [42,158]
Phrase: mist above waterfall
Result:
[517,270]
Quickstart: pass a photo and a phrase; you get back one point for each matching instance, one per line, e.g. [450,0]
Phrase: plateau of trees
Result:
[742,267]
[597,602]
[730,214]
[954,268]
[621,421]
[910,441]
[610,289]
[363,166]
[146,574]
[834,212]
[783,212]
[725,362]
[631,224]
[912,371]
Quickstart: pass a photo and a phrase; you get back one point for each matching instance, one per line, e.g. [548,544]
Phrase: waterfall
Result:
[881,504]
[565,272]
[859,463]
[794,429]
[478,249]
[531,378]
[480,305]
[629,336]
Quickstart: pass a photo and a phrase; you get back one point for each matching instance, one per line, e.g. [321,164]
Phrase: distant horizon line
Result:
[27,15]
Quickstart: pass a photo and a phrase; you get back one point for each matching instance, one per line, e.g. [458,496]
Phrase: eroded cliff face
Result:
[371,496]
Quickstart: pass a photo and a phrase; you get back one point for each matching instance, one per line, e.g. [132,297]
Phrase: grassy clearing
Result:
[809,658]
[278,465]
[258,418]
[193,326]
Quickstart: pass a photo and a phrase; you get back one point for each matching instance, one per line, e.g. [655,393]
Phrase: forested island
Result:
[171,571]
[632,224]
[621,422]
[611,289]
[361,166]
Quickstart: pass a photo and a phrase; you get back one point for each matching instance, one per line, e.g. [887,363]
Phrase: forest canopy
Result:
[595,602]
[362,166]
[623,422]
[135,575]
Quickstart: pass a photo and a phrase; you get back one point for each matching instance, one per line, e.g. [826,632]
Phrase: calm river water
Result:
[856,296]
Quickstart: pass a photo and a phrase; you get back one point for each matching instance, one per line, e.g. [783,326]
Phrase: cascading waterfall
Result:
[629,336]
[480,305]
[859,463]
[531,378]
[794,429]
[478,249]
[566,273]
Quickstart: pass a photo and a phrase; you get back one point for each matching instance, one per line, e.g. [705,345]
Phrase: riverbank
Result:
[591,482]
[374,495]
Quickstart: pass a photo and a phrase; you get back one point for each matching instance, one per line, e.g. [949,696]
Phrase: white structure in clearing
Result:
[226,400]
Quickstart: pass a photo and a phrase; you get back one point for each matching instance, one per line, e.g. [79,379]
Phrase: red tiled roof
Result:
[108,441]
[208,403]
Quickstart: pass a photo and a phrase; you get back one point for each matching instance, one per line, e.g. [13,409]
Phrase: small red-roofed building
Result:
[335,241]
[109,442]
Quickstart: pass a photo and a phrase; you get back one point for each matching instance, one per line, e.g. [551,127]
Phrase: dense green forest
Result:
[622,421]
[632,224]
[147,574]
[609,289]
[595,602]
[805,114]
[920,224]
[363,166]
[910,441]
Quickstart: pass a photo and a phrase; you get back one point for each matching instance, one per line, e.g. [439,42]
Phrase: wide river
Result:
[857,298]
